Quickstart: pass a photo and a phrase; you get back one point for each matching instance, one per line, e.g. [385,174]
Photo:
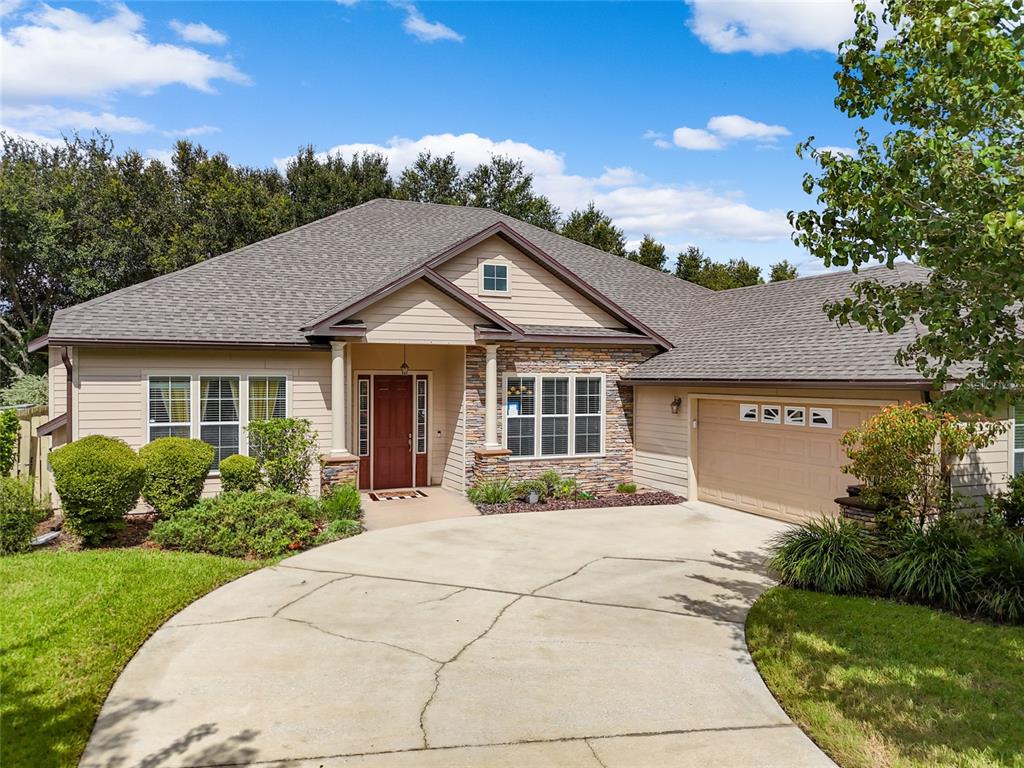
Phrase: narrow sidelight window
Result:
[364,417]
[421,415]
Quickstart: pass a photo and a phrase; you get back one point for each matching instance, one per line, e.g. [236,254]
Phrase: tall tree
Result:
[693,266]
[651,254]
[432,180]
[593,227]
[782,271]
[319,186]
[503,185]
[945,189]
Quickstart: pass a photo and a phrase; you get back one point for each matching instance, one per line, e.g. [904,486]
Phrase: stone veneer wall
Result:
[335,471]
[599,474]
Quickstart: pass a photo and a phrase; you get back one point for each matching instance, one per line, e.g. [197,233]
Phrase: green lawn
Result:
[877,683]
[70,622]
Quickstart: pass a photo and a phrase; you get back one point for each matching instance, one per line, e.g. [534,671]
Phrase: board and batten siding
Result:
[112,393]
[421,314]
[536,296]
[661,440]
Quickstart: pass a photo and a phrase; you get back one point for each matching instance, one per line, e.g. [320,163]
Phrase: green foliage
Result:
[595,228]
[997,578]
[943,189]
[1008,505]
[285,450]
[260,524]
[694,267]
[502,491]
[176,468]
[341,502]
[337,529]
[239,474]
[566,488]
[9,429]
[27,389]
[905,455]
[432,180]
[625,488]
[524,489]
[782,271]
[19,515]
[827,555]
[99,480]
[319,185]
[651,254]
[931,564]
[503,185]
[551,480]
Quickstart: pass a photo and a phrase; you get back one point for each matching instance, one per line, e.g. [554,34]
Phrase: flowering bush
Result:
[905,455]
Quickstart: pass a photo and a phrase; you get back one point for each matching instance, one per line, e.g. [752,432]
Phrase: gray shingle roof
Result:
[265,293]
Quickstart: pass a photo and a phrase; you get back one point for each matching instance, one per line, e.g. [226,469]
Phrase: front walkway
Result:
[600,638]
[437,504]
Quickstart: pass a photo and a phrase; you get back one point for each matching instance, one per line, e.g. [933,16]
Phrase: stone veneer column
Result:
[491,399]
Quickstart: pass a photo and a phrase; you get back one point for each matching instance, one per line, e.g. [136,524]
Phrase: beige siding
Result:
[453,475]
[113,388]
[420,313]
[536,296]
[661,440]
[987,470]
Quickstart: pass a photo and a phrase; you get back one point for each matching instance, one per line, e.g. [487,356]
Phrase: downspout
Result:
[65,356]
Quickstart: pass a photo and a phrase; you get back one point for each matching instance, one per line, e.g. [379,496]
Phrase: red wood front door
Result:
[392,431]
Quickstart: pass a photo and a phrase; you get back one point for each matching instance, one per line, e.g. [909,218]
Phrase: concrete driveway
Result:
[600,638]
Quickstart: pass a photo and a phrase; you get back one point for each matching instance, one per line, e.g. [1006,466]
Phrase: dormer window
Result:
[494,278]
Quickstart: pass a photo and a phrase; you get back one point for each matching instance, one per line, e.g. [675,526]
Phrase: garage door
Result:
[777,459]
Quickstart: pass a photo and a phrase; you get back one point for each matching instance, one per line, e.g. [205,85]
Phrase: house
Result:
[442,345]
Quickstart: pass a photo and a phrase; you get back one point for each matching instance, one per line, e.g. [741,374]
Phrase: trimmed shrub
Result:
[997,576]
[1009,504]
[285,450]
[260,524]
[9,428]
[827,555]
[176,468]
[501,491]
[625,488]
[98,479]
[239,474]
[524,489]
[931,564]
[341,502]
[337,529]
[18,515]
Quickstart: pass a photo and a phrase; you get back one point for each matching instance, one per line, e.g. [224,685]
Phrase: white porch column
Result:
[339,369]
[491,398]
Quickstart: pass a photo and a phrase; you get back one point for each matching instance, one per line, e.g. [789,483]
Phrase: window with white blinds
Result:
[170,406]
[219,422]
[568,420]
[268,397]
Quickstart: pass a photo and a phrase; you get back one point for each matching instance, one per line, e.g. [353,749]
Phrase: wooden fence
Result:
[31,454]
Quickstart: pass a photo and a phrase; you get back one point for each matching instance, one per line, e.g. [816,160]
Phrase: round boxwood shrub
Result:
[260,524]
[98,479]
[175,470]
[239,474]
[18,515]
[828,555]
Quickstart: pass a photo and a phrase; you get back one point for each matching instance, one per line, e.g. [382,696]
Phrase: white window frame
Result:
[538,408]
[287,392]
[826,412]
[149,393]
[776,419]
[790,412]
[749,412]
[243,406]
[362,449]
[421,450]
[508,277]
[1014,426]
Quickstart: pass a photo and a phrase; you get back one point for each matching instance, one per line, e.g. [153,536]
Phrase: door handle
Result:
[410,442]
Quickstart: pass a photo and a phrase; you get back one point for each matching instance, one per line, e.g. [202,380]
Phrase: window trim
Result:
[287,392]
[425,424]
[538,376]
[361,450]
[824,412]
[1014,450]
[243,415]
[149,395]
[508,277]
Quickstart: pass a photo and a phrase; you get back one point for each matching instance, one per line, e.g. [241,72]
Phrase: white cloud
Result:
[346,3]
[669,212]
[162,155]
[658,139]
[197,32]
[696,138]
[50,120]
[848,151]
[737,127]
[198,130]
[723,129]
[773,26]
[9,7]
[50,141]
[59,52]
[427,31]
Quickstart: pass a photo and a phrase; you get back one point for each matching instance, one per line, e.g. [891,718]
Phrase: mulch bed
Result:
[610,500]
[134,534]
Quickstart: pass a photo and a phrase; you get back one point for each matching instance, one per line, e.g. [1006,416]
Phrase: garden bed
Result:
[611,500]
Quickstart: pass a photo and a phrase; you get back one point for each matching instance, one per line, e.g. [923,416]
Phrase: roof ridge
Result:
[806,278]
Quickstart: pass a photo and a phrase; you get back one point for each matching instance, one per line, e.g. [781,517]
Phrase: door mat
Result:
[396,495]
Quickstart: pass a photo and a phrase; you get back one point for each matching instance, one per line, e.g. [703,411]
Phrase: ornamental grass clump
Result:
[931,564]
[99,480]
[997,578]
[827,555]
[341,502]
[503,491]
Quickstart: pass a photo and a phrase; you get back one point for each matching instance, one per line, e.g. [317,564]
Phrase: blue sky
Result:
[678,118]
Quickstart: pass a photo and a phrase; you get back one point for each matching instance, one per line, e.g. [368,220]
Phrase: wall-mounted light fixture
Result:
[676,403]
